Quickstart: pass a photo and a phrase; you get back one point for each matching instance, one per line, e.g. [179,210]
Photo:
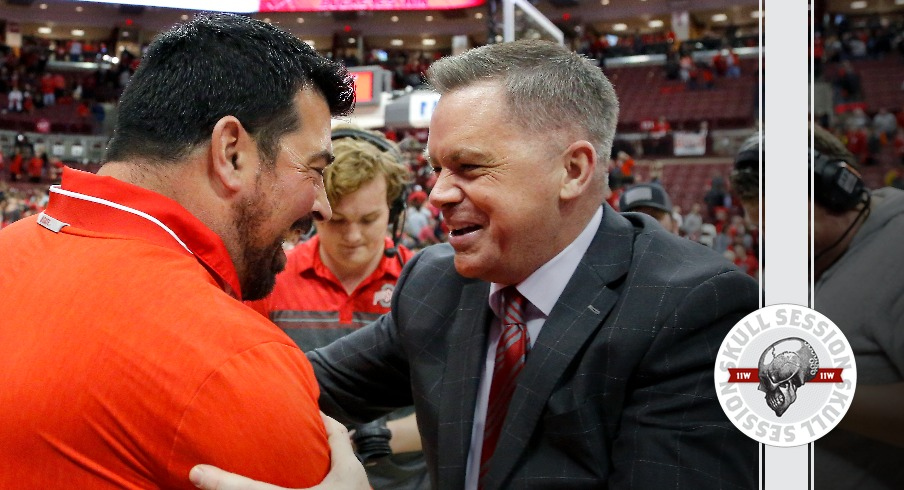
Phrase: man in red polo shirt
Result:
[343,278]
[126,353]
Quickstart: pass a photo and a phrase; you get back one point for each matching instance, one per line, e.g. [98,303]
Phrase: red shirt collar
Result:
[107,205]
[307,257]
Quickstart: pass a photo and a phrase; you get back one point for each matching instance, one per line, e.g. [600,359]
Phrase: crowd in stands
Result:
[30,87]
[867,106]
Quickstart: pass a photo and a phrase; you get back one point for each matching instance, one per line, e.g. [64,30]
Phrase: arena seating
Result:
[645,94]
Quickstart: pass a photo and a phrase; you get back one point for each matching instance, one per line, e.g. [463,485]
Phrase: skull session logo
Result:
[785,375]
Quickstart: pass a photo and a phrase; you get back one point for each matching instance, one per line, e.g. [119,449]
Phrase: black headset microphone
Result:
[839,188]
[398,206]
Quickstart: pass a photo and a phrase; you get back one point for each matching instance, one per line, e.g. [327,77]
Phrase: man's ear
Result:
[579,162]
[233,154]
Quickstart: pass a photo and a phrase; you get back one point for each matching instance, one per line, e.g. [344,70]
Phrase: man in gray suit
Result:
[623,319]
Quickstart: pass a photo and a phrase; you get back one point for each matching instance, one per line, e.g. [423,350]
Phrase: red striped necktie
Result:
[511,352]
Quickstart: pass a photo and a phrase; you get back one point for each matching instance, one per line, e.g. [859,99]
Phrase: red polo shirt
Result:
[126,357]
[311,304]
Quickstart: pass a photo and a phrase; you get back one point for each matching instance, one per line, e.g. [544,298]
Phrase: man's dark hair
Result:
[214,66]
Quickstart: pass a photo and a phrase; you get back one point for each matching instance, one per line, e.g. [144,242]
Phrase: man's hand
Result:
[346,473]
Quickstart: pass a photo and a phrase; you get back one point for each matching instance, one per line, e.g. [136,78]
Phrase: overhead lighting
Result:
[478,15]
[756,14]
[620,27]
[396,42]
[79,8]
[899,2]
[184,16]
[429,18]
[114,60]
[428,42]
[310,42]
[43,6]
[300,20]
[858,5]
[125,33]
[394,18]
[351,40]
[78,32]
[655,24]
[44,30]
[604,2]
[720,18]
[267,20]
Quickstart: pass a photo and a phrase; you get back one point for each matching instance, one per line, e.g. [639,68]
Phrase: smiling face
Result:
[498,186]
[287,193]
[352,242]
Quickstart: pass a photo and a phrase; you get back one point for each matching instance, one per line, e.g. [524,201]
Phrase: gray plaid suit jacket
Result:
[617,391]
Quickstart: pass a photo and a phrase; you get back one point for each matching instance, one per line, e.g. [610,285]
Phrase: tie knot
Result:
[512,306]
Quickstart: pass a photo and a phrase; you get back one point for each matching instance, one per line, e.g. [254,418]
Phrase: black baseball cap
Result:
[647,194]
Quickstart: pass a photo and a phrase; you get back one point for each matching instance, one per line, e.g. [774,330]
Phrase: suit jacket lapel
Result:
[465,359]
[578,314]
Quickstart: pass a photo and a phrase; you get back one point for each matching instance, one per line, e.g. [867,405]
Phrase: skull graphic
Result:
[784,367]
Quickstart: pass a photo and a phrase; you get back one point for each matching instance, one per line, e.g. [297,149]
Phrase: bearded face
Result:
[262,257]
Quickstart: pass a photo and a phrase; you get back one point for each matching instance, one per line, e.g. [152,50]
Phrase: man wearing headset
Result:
[859,282]
[343,278]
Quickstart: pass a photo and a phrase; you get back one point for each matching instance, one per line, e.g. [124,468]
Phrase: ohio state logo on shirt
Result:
[383,297]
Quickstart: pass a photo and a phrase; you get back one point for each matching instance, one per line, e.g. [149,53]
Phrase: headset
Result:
[398,205]
[745,176]
[839,188]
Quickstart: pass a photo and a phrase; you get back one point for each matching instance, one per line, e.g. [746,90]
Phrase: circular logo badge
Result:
[785,375]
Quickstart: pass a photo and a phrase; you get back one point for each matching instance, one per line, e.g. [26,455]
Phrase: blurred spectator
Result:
[48,94]
[885,124]
[625,164]
[15,99]
[15,165]
[693,223]
[847,84]
[35,168]
[716,197]
[417,217]
[727,64]
[707,235]
[75,50]
[677,218]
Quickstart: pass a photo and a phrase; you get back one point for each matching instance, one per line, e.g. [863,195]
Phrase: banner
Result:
[689,144]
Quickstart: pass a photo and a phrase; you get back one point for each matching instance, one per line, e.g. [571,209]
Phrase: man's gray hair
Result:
[548,87]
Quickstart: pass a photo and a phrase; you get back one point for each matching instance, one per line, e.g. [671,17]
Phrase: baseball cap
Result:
[646,194]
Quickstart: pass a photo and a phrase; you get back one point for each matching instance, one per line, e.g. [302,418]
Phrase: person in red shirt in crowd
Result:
[343,278]
[15,165]
[727,64]
[659,132]
[857,143]
[625,164]
[35,168]
[898,144]
[59,88]
[746,262]
[127,356]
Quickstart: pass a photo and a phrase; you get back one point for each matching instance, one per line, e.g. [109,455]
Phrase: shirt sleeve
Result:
[255,415]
